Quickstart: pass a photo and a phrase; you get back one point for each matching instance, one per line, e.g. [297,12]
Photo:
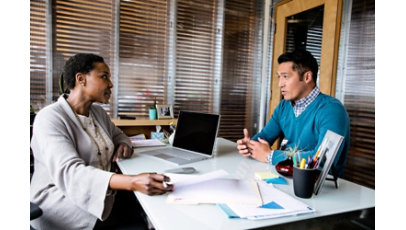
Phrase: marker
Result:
[302,163]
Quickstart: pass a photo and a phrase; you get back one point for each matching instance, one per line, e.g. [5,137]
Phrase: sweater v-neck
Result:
[308,108]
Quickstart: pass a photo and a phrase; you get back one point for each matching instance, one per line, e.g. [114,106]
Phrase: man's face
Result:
[291,87]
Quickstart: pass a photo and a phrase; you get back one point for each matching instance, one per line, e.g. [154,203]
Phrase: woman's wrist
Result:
[120,182]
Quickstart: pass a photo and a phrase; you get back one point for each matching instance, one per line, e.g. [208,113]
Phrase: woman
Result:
[74,143]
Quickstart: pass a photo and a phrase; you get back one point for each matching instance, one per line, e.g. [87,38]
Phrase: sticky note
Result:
[271,205]
[265,175]
[279,180]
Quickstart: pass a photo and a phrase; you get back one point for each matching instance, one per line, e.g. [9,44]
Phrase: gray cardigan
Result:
[67,185]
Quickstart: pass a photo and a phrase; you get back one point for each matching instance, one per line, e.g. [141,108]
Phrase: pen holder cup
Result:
[303,181]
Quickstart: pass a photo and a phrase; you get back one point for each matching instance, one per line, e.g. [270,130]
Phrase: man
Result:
[302,117]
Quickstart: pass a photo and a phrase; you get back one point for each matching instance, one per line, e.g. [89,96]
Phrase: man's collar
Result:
[309,98]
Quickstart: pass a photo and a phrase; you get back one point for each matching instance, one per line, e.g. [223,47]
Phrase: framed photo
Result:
[328,151]
[164,111]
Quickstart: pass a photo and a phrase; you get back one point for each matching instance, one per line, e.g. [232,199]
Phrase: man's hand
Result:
[242,144]
[259,149]
[122,151]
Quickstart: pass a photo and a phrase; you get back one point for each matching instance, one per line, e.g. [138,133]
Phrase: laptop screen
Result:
[196,131]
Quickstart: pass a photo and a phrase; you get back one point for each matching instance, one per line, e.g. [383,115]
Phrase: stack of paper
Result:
[237,198]
[211,188]
[276,204]
[147,143]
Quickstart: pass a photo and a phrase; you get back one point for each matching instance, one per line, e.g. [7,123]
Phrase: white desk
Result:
[349,197]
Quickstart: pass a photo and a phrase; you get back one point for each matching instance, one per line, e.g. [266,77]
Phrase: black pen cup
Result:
[303,181]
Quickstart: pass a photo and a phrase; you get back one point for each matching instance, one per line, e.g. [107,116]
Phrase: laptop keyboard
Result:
[180,154]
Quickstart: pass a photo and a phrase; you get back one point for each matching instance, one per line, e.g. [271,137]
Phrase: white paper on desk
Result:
[290,205]
[180,180]
[137,137]
[220,190]
[147,143]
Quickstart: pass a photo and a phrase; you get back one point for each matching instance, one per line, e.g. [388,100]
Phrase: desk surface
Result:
[349,197]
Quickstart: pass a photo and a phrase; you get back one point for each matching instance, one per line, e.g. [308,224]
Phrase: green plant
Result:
[32,111]
[290,152]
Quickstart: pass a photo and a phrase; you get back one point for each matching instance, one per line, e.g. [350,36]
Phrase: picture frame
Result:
[164,111]
[328,149]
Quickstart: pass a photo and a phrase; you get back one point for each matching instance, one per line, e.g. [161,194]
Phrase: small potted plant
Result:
[152,111]
[291,152]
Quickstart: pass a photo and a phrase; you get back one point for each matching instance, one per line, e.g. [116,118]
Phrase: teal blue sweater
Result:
[308,129]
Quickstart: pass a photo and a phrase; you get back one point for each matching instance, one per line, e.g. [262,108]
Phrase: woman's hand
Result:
[122,151]
[147,183]
[151,183]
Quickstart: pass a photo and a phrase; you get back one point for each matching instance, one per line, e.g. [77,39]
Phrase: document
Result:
[147,143]
[209,188]
[276,204]
[180,180]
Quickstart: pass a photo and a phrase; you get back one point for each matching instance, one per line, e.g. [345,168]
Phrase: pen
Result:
[316,155]
[298,157]
[310,163]
[318,151]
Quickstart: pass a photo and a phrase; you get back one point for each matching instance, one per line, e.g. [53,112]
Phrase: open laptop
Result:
[194,139]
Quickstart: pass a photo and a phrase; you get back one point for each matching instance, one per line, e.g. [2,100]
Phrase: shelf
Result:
[143,122]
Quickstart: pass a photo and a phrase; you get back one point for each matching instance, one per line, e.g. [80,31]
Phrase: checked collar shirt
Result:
[302,104]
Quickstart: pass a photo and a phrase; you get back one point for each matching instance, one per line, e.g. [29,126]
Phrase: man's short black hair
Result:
[79,63]
[303,61]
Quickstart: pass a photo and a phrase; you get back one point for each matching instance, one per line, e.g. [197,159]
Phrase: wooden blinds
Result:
[195,51]
[359,93]
[83,27]
[241,87]
[38,47]
[143,55]
[195,55]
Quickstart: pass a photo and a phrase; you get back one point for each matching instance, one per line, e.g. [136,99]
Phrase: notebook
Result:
[194,140]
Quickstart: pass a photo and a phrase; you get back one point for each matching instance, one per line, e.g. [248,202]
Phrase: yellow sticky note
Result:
[265,175]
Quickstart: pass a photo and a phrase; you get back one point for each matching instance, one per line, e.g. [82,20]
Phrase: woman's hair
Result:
[303,61]
[79,63]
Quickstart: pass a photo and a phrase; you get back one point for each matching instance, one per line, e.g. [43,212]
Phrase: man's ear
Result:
[308,77]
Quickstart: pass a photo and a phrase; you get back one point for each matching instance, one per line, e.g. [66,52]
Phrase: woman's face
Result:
[98,84]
